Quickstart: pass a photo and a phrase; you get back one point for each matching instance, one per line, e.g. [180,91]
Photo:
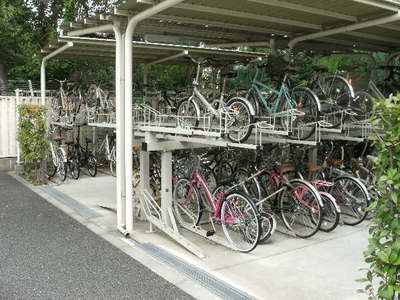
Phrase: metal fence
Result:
[9,118]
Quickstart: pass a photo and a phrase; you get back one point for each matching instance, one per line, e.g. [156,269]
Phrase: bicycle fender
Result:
[311,187]
[363,187]
[251,108]
[332,199]
[312,93]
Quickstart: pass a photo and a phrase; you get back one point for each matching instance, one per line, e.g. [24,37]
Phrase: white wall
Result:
[8,119]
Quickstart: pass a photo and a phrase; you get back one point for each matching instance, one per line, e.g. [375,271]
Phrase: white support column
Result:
[119,89]
[43,69]
[128,103]
[144,170]
[166,186]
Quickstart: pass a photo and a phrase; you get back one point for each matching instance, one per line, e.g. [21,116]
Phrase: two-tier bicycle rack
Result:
[158,131]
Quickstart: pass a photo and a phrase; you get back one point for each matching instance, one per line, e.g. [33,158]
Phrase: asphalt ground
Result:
[45,254]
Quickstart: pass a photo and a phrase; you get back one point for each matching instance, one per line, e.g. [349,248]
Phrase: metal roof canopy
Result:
[371,25]
[144,52]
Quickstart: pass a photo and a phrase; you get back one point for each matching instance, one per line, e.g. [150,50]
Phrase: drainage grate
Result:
[217,286]
[71,202]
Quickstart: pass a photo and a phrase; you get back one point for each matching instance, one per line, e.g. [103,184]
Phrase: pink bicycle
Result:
[297,201]
[234,211]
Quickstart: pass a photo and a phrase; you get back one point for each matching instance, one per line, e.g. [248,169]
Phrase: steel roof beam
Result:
[222,25]
[244,15]
[239,44]
[161,60]
[317,11]
[307,9]
[373,37]
[89,30]
[379,4]
[352,43]
[347,29]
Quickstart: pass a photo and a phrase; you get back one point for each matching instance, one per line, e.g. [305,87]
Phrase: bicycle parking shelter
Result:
[340,26]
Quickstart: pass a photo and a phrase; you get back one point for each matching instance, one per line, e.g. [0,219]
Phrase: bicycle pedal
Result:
[210,233]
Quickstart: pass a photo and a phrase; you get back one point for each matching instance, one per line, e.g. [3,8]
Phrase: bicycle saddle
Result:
[335,162]
[313,168]
[291,69]
[229,74]
[321,69]
[69,143]
[58,138]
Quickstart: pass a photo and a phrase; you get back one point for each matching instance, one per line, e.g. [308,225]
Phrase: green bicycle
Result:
[297,108]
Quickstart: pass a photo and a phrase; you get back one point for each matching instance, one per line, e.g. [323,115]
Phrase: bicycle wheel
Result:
[336,89]
[240,222]
[362,104]
[222,171]
[268,226]
[251,187]
[74,168]
[330,213]
[91,165]
[50,166]
[61,166]
[300,208]
[186,203]
[188,114]
[303,125]
[353,199]
[336,94]
[240,120]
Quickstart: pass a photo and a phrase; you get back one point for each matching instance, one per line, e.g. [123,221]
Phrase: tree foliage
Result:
[32,138]
[383,254]
[29,25]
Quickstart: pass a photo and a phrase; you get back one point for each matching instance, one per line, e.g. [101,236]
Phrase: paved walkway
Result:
[45,254]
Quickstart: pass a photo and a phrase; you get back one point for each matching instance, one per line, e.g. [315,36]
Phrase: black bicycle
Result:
[85,157]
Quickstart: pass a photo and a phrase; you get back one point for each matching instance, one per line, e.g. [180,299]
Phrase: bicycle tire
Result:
[244,233]
[312,212]
[362,104]
[245,129]
[222,171]
[61,166]
[348,207]
[51,168]
[188,113]
[74,168]
[91,165]
[249,187]
[336,90]
[331,213]
[188,213]
[268,226]
[306,102]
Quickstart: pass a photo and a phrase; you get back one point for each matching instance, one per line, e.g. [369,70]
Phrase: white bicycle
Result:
[236,116]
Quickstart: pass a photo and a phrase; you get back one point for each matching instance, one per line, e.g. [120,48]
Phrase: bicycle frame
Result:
[256,87]
[216,203]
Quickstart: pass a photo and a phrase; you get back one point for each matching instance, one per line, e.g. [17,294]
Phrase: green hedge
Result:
[33,140]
